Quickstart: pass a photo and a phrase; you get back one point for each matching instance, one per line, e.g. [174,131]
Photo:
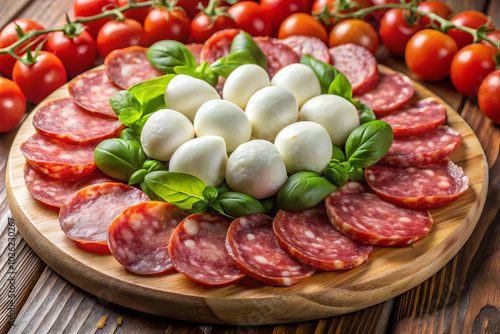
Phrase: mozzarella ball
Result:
[186,94]
[243,82]
[164,132]
[337,115]
[256,168]
[304,146]
[225,119]
[298,79]
[204,157]
[270,110]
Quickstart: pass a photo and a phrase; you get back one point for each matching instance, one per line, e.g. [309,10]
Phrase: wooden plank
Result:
[458,6]
[10,10]
[49,13]
[494,11]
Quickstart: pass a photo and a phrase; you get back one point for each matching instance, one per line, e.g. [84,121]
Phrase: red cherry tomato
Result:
[162,23]
[250,17]
[120,34]
[78,54]
[202,27]
[379,13]
[354,31]
[319,6]
[494,35]
[191,6]
[302,24]
[488,96]
[85,8]
[429,54]
[437,7]
[279,10]
[8,36]
[40,79]
[12,105]
[138,14]
[470,66]
[471,19]
[395,32]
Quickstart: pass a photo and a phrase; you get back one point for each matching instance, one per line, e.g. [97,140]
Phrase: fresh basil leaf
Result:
[341,86]
[368,143]
[210,193]
[179,189]
[124,99]
[137,177]
[366,113]
[245,42]
[217,208]
[325,72]
[303,190]
[165,55]
[152,196]
[354,173]
[336,174]
[151,93]
[119,158]
[236,204]
[225,65]
[187,71]
[200,206]
[129,116]
[130,134]
[269,204]
[337,154]
[154,166]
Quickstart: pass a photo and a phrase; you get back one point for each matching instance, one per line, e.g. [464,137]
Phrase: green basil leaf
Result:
[366,113]
[269,205]
[130,134]
[210,193]
[152,196]
[123,99]
[245,42]
[165,55]
[325,72]
[354,173]
[151,93]
[336,174]
[225,65]
[137,177]
[119,158]
[129,116]
[368,143]
[154,166]
[187,71]
[236,204]
[341,86]
[200,206]
[303,190]
[337,154]
[179,189]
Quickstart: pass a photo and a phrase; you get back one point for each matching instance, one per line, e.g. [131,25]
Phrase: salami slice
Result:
[63,119]
[425,187]
[365,217]
[309,237]
[139,237]
[87,215]
[91,90]
[430,148]
[357,64]
[308,45]
[218,45]
[54,192]
[58,159]
[416,118]
[195,49]
[254,248]
[278,55]
[392,91]
[129,66]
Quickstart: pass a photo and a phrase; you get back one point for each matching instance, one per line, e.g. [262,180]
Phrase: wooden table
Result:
[464,296]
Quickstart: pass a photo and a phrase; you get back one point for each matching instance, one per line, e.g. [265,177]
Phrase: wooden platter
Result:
[388,273]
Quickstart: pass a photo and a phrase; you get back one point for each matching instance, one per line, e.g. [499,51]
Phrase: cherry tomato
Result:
[138,14]
[40,79]
[12,105]
[163,23]
[470,66]
[471,19]
[85,8]
[494,35]
[279,10]
[354,31]
[8,36]
[488,96]
[395,31]
[120,34]
[319,5]
[437,7]
[191,6]
[78,54]
[379,13]
[429,54]
[202,27]
[302,24]
[250,17]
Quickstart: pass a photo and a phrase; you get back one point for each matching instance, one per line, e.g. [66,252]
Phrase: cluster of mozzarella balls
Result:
[269,128]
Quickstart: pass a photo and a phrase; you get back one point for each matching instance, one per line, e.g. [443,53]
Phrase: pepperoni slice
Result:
[309,237]
[91,90]
[357,64]
[430,148]
[63,119]
[195,49]
[365,217]
[278,55]
[255,250]
[197,250]
[424,187]
[392,91]
[87,215]
[129,66]
[56,192]
[308,45]
[139,237]
[416,118]
[58,159]
[218,45]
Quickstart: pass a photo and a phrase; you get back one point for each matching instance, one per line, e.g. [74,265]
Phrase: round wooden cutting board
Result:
[388,273]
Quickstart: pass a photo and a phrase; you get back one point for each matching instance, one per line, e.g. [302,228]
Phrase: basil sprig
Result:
[119,158]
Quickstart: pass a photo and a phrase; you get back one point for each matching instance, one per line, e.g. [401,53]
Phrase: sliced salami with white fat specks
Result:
[429,148]
[255,250]
[218,45]
[424,187]
[363,216]
[139,237]
[309,237]
[195,49]
[129,66]
[91,90]
[278,55]
[63,119]
[197,249]
[308,45]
